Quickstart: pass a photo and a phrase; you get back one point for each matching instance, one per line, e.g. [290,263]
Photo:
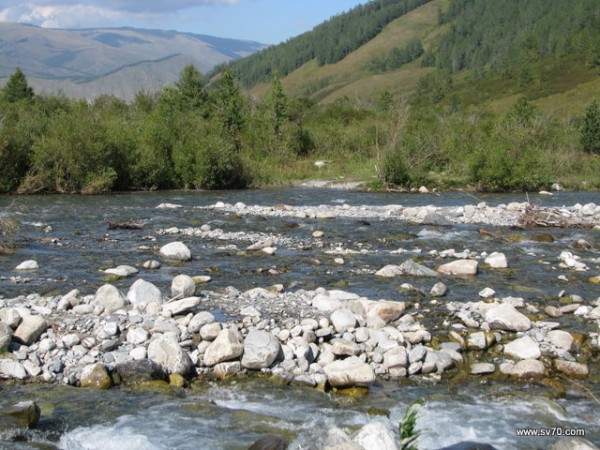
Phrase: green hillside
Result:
[397,94]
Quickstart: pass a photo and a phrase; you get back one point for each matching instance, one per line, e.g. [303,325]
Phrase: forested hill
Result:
[480,50]
[327,43]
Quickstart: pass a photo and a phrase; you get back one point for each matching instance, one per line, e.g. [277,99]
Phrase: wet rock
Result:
[30,329]
[506,317]
[459,267]
[480,340]
[227,346]
[572,368]
[409,267]
[482,368]
[561,339]
[21,415]
[109,298]
[386,310]
[528,368]
[376,436]
[12,369]
[121,271]
[5,336]
[395,357]
[342,320]
[389,271]
[177,251]
[487,292]
[142,292]
[95,376]
[438,290]
[140,371]
[151,264]
[523,348]
[269,443]
[349,372]
[227,369]
[28,265]
[181,306]
[497,261]
[260,350]
[573,443]
[435,219]
[166,351]
[182,286]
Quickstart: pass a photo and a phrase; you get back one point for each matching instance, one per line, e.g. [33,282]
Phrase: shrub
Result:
[590,130]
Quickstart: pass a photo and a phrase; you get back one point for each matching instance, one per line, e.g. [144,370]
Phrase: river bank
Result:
[130,330]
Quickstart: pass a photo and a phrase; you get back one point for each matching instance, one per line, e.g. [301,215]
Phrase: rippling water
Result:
[233,415]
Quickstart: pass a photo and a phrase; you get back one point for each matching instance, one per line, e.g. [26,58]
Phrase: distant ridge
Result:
[87,63]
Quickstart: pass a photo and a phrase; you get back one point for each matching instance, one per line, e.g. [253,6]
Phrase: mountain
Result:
[87,63]
[454,51]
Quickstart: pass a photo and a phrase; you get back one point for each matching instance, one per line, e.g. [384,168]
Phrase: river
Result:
[69,238]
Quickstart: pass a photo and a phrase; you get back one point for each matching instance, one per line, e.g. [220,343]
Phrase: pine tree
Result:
[191,89]
[277,104]
[16,88]
[590,131]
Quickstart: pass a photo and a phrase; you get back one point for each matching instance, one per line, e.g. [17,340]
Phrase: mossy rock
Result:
[543,238]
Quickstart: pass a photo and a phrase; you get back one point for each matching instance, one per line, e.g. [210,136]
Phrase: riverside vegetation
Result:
[211,137]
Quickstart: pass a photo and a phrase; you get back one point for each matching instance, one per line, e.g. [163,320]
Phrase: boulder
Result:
[376,436]
[349,372]
[30,329]
[95,376]
[199,320]
[269,443]
[166,351]
[438,290]
[142,292]
[139,371]
[497,261]
[28,265]
[227,346]
[409,267]
[121,271]
[506,317]
[523,348]
[342,320]
[12,369]
[181,306]
[387,310]
[5,336]
[21,415]
[389,271]
[109,298]
[560,339]
[467,445]
[459,267]
[177,251]
[572,368]
[528,368]
[260,350]
[182,286]
[573,443]
[344,347]
[482,368]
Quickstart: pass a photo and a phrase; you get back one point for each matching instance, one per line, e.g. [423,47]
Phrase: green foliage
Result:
[397,57]
[276,104]
[191,89]
[434,86]
[327,43]
[590,130]
[301,141]
[408,427]
[16,88]
[229,106]
[8,229]
[501,34]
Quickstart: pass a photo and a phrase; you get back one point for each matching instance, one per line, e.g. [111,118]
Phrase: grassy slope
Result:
[562,87]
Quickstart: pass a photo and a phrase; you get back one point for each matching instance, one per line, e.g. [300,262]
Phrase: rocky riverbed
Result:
[329,339]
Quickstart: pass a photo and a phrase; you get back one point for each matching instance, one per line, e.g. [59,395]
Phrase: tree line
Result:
[195,136]
[327,43]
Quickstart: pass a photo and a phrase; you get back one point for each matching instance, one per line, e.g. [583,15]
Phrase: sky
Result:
[265,21]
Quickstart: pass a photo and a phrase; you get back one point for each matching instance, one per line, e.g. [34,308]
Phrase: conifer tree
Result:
[590,131]
[16,87]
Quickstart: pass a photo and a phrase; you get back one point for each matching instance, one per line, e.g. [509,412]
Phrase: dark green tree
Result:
[590,131]
[191,88]
[229,107]
[16,88]
[277,105]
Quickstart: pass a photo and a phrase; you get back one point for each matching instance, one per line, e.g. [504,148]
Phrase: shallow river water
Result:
[69,238]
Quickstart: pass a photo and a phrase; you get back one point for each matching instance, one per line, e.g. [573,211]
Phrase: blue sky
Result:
[267,21]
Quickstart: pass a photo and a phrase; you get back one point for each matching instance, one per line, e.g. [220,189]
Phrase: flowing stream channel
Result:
[70,239]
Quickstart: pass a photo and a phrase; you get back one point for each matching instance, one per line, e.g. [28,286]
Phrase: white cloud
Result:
[77,13]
